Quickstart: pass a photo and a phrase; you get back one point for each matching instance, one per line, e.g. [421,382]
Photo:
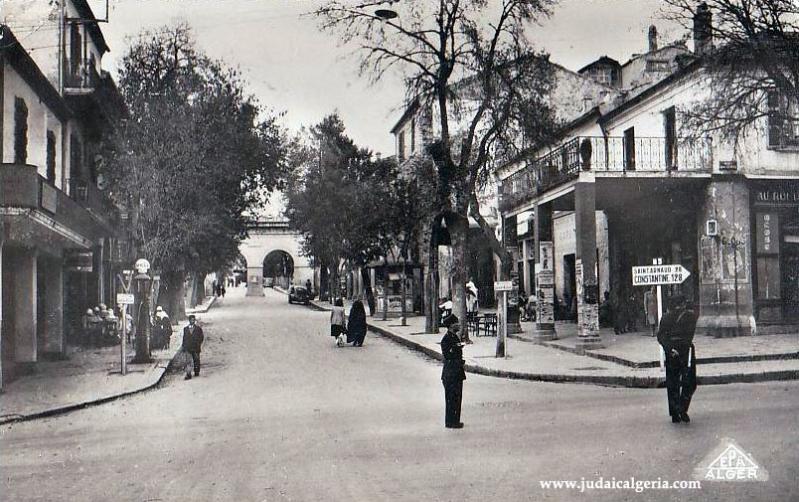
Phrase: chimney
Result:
[653,38]
[703,35]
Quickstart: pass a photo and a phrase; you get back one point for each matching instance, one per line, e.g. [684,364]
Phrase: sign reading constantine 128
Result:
[653,275]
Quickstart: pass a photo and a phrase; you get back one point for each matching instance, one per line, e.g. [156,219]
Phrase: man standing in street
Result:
[192,343]
[453,374]
[676,335]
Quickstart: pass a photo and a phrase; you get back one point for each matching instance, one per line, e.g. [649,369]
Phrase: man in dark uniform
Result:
[676,335]
[192,343]
[453,374]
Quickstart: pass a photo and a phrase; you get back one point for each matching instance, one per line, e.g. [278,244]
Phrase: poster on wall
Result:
[733,260]
[547,252]
[709,271]
[545,279]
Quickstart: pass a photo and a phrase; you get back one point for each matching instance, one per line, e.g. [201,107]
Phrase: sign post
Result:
[502,287]
[123,300]
[657,275]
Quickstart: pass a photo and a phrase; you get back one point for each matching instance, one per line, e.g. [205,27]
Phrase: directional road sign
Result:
[125,299]
[653,275]
[503,285]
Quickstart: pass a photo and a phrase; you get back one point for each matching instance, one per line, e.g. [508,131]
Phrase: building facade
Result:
[61,245]
[624,187]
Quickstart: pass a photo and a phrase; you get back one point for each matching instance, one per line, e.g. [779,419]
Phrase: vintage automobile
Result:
[299,294]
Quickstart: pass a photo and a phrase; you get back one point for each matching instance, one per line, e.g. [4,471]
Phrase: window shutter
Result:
[775,119]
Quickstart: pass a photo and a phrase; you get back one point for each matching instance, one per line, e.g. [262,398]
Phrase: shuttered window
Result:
[20,131]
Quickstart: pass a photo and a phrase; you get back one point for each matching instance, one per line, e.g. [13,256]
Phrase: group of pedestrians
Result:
[349,329]
[675,334]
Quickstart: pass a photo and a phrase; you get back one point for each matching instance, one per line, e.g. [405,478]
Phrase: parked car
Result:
[299,294]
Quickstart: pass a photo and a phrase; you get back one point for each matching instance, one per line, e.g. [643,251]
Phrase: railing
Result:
[92,198]
[600,154]
[21,186]
[85,76]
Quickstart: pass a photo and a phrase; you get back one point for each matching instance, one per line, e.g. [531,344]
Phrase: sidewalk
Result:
[87,376]
[629,360]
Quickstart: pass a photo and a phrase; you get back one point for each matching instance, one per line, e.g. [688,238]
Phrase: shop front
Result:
[389,293]
[775,210]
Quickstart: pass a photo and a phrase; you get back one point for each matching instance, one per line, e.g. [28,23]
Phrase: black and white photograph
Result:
[399,250]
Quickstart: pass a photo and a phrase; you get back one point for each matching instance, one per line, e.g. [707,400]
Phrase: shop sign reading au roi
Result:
[777,196]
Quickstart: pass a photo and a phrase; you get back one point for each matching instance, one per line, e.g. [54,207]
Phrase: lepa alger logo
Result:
[730,462]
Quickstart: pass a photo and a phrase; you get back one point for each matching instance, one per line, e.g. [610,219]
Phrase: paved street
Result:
[279,413]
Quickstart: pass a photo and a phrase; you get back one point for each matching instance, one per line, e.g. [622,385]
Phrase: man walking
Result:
[453,374]
[192,343]
[676,335]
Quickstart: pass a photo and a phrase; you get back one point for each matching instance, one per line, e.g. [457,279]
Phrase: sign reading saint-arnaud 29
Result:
[654,275]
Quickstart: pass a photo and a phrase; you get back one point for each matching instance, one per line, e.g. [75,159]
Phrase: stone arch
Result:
[278,268]
[270,236]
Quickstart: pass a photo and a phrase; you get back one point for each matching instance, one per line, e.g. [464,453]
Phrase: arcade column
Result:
[25,302]
[255,281]
[53,342]
[544,287]
[725,265]
[586,267]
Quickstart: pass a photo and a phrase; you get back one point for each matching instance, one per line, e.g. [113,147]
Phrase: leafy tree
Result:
[410,203]
[193,156]
[470,62]
[751,59]
[334,198]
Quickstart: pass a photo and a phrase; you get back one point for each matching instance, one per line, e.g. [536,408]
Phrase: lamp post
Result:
[384,14]
[143,283]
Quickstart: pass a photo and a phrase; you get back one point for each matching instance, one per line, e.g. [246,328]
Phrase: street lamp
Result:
[143,283]
[383,14]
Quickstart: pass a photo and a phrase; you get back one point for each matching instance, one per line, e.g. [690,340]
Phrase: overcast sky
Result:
[293,67]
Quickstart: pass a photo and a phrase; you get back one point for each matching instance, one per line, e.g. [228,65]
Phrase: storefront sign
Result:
[78,261]
[780,195]
[768,233]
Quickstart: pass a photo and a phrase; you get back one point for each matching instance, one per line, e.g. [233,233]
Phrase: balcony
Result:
[94,98]
[93,200]
[603,155]
[83,76]
[24,192]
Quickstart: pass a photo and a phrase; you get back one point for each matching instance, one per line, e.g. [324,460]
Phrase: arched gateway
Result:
[266,237]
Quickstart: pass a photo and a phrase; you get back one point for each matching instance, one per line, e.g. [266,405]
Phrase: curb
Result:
[202,310]
[634,382]
[784,356]
[87,404]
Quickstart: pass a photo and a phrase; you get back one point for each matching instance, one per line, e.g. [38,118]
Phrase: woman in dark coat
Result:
[356,324]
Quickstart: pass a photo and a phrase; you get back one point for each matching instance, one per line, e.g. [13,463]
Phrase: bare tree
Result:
[750,52]
[470,64]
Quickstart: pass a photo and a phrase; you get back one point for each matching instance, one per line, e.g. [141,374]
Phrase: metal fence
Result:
[603,154]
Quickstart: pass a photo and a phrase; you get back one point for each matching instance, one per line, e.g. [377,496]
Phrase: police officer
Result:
[453,374]
[676,335]
[192,343]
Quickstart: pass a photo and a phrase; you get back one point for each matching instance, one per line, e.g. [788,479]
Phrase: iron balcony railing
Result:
[84,75]
[603,154]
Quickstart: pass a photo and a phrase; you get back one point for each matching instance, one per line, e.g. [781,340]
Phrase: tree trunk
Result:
[171,294]
[431,290]
[197,290]
[404,291]
[385,294]
[367,281]
[458,231]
